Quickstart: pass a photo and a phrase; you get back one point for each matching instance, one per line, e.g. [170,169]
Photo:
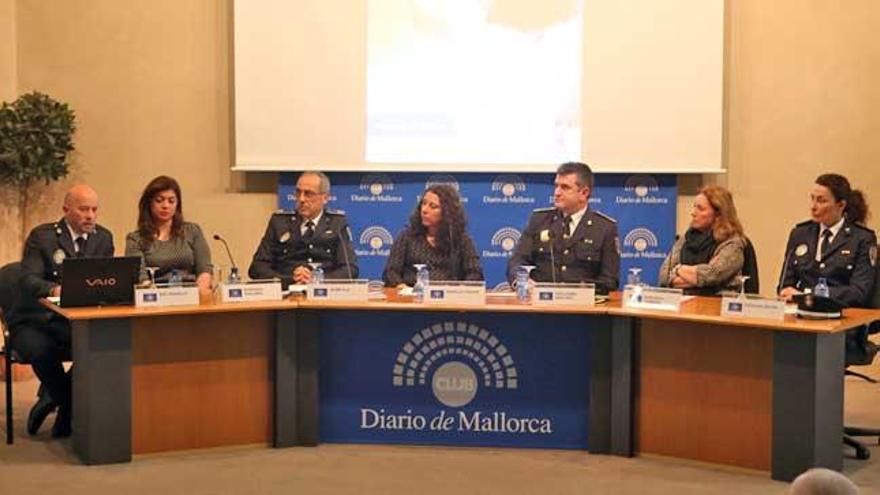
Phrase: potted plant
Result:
[36,138]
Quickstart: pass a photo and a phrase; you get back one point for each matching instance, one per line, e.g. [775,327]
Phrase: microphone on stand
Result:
[233,278]
[784,269]
[549,236]
[344,250]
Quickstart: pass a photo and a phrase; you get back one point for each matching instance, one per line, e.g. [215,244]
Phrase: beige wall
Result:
[8,214]
[7,50]
[151,85]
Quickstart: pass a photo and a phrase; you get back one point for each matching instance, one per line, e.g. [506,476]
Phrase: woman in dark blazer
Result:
[436,236]
[833,244]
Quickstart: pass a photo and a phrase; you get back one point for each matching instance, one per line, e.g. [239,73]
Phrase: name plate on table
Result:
[752,306]
[340,290]
[564,295]
[467,293]
[646,297]
[269,290]
[163,295]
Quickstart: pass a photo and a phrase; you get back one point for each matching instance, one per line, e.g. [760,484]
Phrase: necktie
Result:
[80,247]
[310,229]
[826,243]
[566,227]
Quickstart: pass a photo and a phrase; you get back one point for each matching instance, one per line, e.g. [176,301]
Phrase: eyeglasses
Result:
[306,194]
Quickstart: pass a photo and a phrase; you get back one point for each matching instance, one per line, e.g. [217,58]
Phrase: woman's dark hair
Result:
[856,210]
[453,223]
[147,227]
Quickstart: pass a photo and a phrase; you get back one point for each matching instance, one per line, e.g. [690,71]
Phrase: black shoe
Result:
[44,406]
[61,428]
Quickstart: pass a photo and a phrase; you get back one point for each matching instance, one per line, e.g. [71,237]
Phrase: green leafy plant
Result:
[36,138]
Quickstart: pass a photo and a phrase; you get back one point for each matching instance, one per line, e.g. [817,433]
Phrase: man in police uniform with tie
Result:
[42,337]
[311,234]
[570,242]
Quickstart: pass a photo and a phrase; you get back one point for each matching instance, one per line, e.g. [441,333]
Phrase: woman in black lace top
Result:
[435,236]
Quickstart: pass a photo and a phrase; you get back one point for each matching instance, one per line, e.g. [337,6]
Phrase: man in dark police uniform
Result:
[309,234]
[582,242]
[42,337]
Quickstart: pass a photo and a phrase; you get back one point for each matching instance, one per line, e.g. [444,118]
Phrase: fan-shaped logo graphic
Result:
[445,180]
[640,239]
[376,183]
[502,287]
[641,185]
[641,242]
[508,184]
[641,189]
[442,180]
[378,241]
[379,188]
[503,242]
[508,189]
[456,359]
[506,237]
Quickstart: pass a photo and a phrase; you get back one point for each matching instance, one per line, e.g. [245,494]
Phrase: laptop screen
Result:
[99,281]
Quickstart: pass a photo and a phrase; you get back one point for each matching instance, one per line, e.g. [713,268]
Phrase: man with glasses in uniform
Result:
[310,234]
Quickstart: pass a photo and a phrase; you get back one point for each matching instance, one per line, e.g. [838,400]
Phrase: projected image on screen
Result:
[474,81]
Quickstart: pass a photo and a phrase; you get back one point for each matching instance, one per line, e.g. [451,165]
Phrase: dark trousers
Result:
[46,346]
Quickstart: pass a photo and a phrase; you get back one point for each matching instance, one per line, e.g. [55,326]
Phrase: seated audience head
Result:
[81,209]
[160,203]
[833,198]
[572,187]
[714,210]
[821,481]
[440,214]
[312,193]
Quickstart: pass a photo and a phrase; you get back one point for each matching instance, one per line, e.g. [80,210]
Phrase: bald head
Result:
[81,208]
[821,481]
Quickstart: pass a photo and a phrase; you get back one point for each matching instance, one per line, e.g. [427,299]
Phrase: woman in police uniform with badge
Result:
[834,244]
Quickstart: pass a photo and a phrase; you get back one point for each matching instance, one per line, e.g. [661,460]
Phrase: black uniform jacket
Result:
[590,254]
[283,248]
[46,248]
[848,266]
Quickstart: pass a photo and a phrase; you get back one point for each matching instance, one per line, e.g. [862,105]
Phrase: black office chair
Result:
[750,268]
[860,351]
[9,293]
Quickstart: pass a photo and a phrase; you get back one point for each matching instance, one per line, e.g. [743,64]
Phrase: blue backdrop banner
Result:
[498,207]
[456,379]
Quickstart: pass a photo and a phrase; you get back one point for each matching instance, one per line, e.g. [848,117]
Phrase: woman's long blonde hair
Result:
[727,223]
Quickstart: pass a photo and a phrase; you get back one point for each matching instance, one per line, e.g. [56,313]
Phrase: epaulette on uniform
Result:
[861,227]
[340,213]
[284,212]
[544,210]
[606,217]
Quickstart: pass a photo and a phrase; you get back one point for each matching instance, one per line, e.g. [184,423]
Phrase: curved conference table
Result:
[692,384]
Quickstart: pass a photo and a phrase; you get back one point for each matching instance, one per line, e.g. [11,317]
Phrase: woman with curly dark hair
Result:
[436,236]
